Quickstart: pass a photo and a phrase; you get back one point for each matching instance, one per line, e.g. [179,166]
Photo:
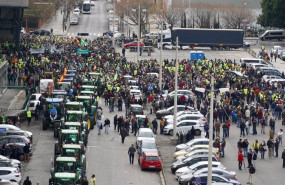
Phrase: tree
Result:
[173,14]
[203,13]
[273,13]
[235,15]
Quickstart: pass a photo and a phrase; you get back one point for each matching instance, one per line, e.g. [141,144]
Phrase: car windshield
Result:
[136,108]
[145,134]
[152,158]
[148,145]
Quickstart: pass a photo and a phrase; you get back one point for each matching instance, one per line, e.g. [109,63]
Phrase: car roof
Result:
[135,105]
[145,130]
[205,162]
[140,116]
[13,136]
[8,168]
[151,153]
[197,121]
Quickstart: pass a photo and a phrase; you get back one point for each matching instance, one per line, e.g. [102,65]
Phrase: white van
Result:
[273,34]
[248,61]
[46,86]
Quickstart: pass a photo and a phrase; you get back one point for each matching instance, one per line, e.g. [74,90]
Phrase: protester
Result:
[131,153]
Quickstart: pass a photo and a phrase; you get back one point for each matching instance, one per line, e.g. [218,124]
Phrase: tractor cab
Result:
[64,85]
[67,165]
[63,178]
[87,82]
[74,116]
[53,112]
[58,93]
[76,106]
[87,101]
[88,88]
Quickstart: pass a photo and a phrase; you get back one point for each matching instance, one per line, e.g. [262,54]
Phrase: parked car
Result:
[133,44]
[4,127]
[277,49]
[20,150]
[92,3]
[180,113]
[135,109]
[282,56]
[32,105]
[7,182]
[74,20]
[144,134]
[197,166]
[268,71]
[15,132]
[152,35]
[16,162]
[40,32]
[193,148]
[76,11]
[189,117]
[170,110]
[202,179]
[198,141]
[267,78]
[147,146]
[11,174]
[196,152]
[150,160]
[219,171]
[14,139]
[185,126]
[190,161]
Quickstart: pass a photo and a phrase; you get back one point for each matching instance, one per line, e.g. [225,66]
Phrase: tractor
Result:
[51,119]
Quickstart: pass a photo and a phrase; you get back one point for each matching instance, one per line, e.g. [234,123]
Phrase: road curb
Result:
[162,176]
[13,104]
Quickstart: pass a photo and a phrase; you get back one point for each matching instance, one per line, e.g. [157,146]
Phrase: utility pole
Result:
[160,56]
[209,180]
[139,29]
[113,38]
[128,18]
[175,94]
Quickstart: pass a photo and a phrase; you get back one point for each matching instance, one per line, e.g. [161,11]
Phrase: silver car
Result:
[183,179]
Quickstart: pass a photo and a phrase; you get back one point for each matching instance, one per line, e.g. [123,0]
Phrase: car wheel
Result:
[142,168]
[22,157]
[170,132]
[197,132]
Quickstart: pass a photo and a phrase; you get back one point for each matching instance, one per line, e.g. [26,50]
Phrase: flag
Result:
[116,75]
[83,42]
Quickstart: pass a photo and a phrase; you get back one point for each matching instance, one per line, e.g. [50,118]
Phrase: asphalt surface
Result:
[94,23]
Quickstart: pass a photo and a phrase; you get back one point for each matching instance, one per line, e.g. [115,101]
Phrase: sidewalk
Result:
[56,23]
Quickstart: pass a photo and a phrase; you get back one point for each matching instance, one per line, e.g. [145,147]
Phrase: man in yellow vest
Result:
[93,180]
[29,116]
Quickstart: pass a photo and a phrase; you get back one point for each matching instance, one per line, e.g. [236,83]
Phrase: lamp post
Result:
[128,18]
[175,94]
[113,38]
[160,55]
[139,32]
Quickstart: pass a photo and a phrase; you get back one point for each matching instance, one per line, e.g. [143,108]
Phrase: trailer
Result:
[216,39]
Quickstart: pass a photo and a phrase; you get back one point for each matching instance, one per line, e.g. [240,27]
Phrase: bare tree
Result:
[174,13]
[235,16]
[204,14]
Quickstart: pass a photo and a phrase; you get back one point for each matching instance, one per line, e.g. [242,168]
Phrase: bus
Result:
[86,7]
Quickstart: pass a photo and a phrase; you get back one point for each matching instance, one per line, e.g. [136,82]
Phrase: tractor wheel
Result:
[44,123]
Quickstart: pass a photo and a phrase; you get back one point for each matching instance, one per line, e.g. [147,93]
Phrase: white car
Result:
[267,78]
[185,126]
[195,152]
[36,96]
[198,141]
[76,11]
[15,162]
[199,165]
[144,134]
[188,117]
[180,91]
[152,35]
[135,92]
[182,113]
[134,87]
[74,20]
[276,81]
[277,49]
[92,3]
[32,105]
[12,127]
[11,174]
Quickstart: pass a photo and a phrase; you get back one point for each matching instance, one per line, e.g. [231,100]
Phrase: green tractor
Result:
[63,178]
[51,119]
[73,150]
[73,105]
[66,168]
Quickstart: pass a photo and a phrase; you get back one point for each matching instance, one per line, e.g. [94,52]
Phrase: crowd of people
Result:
[250,104]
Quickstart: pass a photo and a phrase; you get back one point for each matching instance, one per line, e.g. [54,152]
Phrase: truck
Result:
[216,39]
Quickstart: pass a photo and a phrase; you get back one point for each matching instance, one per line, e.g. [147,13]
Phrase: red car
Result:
[133,44]
[150,160]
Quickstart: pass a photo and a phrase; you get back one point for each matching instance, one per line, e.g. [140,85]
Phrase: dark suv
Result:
[135,109]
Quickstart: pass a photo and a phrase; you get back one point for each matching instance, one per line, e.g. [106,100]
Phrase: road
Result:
[94,23]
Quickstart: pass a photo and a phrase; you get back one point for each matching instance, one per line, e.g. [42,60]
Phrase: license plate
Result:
[152,166]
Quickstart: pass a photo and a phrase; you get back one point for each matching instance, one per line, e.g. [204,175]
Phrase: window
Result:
[4,172]
[14,140]
[3,164]
[276,33]
[2,141]
[218,179]
[151,158]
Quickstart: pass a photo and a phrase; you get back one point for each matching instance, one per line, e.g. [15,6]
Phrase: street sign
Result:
[150,87]
[80,51]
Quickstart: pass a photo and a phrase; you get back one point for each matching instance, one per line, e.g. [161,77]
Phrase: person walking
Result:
[276,146]
[225,130]
[262,149]
[255,146]
[29,117]
[251,172]
[218,128]
[161,124]
[283,157]
[93,180]
[131,153]
[254,157]
[124,51]
[84,181]
[107,125]
[242,127]
[270,147]
[99,125]
[154,125]
[26,151]
[240,160]
[279,135]
[249,157]
[124,134]
[115,122]
[223,145]
[27,181]
[245,147]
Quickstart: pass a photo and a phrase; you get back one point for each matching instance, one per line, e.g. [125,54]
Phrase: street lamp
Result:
[128,35]
[210,160]
[139,29]
[160,54]
[113,38]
